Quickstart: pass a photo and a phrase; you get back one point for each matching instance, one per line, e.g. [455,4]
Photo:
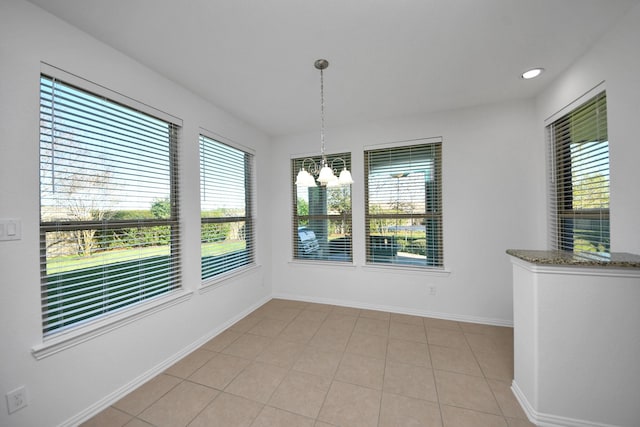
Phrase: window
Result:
[322,214]
[109,234]
[403,204]
[579,178]
[226,232]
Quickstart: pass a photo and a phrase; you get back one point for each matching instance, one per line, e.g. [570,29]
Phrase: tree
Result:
[82,208]
[339,201]
[303,207]
[591,192]
[77,196]
[161,208]
[69,190]
[220,231]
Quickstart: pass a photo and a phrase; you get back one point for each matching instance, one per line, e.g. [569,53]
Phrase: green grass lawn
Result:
[583,245]
[80,288]
[73,262]
[221,248]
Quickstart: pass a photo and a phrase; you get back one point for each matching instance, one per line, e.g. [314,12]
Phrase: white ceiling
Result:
[388,58]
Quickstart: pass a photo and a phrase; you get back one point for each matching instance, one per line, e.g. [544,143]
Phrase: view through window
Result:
[403,212]
[109,235]
[226,232]
[322,214]
[579,179]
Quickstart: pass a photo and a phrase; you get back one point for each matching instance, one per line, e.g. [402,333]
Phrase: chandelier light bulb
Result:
[326,174]
[345,177]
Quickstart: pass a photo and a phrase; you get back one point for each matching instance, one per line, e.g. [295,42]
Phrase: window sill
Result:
[217,281]
[64,340]
[323,263]
[430,271]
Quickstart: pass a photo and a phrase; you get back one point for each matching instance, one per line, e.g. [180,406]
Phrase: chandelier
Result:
[326,174]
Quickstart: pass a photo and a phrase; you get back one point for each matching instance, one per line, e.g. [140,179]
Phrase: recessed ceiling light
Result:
[532,73]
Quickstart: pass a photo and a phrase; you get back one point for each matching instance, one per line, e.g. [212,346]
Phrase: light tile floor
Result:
[292,363]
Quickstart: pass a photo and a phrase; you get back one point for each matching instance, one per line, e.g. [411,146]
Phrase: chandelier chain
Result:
[324,158]
[326,174]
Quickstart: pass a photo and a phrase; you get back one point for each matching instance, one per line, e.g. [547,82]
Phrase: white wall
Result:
[493,180]
[616,61]
[72,383]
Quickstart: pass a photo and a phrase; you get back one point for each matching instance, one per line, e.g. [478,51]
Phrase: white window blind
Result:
[226,195]
[403,205]
[321,215]
[109,235]
[579,179]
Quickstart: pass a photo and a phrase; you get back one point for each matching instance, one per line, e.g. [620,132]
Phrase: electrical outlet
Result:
[433,290]
[17,399]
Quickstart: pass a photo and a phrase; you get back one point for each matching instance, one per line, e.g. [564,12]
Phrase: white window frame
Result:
[70,335]
[384,252]
[311,244]
[561,208]
[234,269]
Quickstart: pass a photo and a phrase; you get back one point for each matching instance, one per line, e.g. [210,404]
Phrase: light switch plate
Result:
[10,229]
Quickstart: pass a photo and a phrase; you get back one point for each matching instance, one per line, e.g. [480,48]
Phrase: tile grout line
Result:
[317,418]
[484,376]
[433,373]
[384,371]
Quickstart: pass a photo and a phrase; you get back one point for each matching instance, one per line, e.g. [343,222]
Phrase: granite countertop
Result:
[585,259]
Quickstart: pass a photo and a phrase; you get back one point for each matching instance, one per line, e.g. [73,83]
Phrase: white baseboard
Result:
[542,419]
[118,394]
[399,310]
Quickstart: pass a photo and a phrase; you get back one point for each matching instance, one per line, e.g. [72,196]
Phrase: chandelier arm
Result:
[315,169]
[344,164]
